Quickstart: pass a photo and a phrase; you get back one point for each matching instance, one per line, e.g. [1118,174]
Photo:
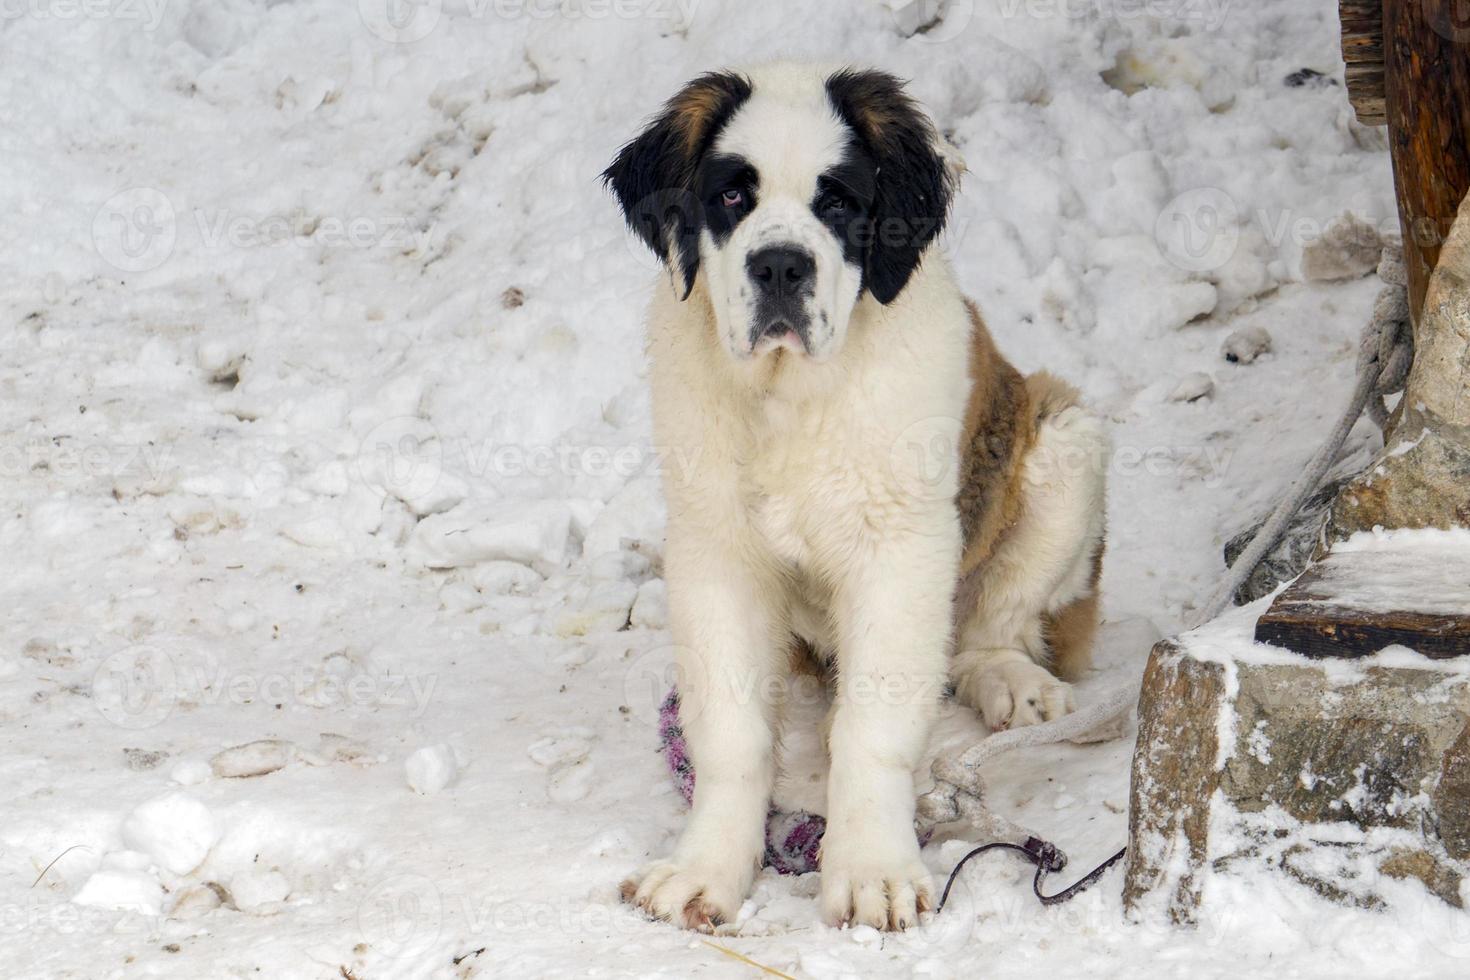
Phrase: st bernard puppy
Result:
[878,495]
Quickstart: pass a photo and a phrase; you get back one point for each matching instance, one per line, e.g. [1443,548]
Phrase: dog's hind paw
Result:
[1013,692]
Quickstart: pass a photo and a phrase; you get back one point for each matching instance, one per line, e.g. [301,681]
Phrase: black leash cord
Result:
[1047,859]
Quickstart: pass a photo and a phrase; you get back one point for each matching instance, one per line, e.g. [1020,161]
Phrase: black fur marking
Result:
[717,174]
[654,175]
[912,186]
[844,201]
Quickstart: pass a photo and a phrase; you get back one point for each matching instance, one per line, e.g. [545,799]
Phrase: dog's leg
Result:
[893,614]
[1039,585]
[725,634]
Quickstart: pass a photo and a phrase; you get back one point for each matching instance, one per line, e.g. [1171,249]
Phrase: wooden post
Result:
[1426,60]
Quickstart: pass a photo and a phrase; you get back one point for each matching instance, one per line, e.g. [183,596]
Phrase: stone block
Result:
[1340,775]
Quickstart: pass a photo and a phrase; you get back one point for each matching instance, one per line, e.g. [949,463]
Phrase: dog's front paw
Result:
[691,897]
[884,896]
[1015,693]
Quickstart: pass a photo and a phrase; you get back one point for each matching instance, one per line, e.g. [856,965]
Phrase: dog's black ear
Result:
[653,176]
[913,187]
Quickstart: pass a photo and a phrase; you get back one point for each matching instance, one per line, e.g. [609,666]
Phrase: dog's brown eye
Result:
[732,198]
[832,204]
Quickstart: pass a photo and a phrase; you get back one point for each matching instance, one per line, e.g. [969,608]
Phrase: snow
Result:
[129,891]
[252,759]
[325,424]
[431,768]
[1426,570]
[175,830]
[531,532]
[259,892]
[1193,387]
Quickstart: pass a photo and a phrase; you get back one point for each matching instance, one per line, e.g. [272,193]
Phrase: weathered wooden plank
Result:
[1320,629]
[1355,603]
[1362,49]
[1362,52]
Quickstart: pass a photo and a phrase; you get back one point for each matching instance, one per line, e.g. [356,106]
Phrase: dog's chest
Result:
[798,496]
[781,527]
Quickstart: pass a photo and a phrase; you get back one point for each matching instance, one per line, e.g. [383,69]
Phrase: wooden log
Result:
[1313,627]
[1362,53]
[1426,50]
[1353,604]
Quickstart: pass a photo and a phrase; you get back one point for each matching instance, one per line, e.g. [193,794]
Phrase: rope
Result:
[959,789]
[1385,354]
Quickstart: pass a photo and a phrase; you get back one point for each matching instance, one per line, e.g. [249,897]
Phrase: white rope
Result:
[1385,353]
[959,789]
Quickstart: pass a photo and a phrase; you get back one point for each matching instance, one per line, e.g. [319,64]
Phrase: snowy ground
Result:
[300,305]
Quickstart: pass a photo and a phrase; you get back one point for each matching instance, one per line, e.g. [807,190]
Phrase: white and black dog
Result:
[880,497]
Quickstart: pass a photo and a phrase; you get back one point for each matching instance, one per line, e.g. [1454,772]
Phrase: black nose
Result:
[780,270]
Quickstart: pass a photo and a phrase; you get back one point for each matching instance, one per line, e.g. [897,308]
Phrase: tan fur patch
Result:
[694,111]
[873,120]
[803,659]
[1001,423]
[1070,630]
[1000,426]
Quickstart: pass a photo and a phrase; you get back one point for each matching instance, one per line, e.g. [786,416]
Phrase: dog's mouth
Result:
[780,333]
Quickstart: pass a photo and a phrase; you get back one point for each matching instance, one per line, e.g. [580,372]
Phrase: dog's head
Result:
[791,191]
